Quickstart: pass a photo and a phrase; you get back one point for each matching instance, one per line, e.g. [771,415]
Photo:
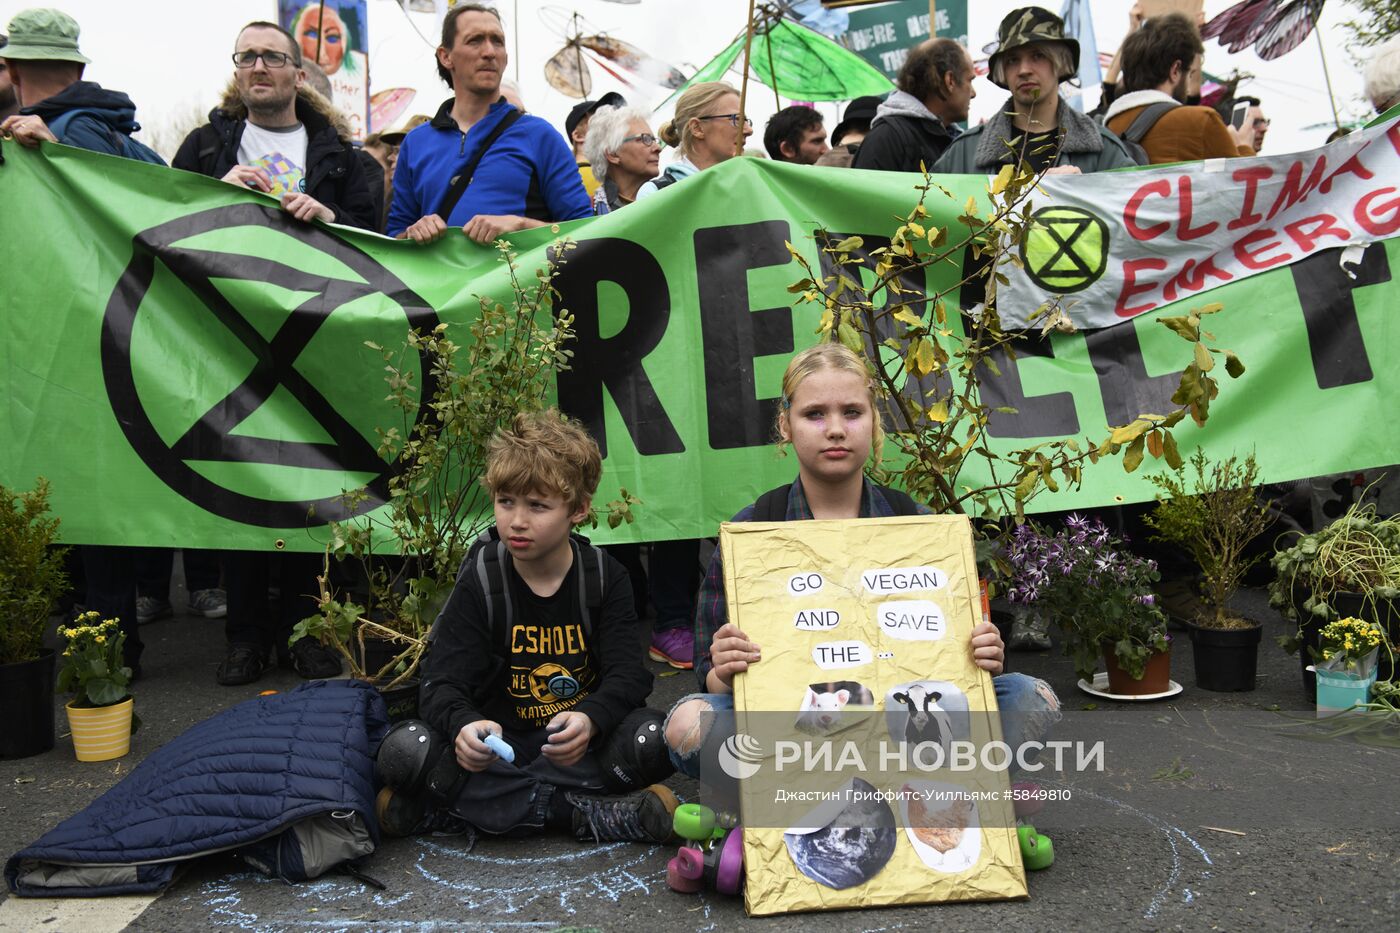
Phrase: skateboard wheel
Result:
[693,821]
[1037,851]
[678,882]
[690,863]
[729,868]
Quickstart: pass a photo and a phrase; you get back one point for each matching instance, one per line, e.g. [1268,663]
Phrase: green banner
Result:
[883,33]
[187,365]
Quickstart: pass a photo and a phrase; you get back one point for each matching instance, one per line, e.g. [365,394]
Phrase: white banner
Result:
[1120,244]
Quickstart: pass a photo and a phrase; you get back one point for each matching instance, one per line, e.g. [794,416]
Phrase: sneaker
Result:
[403,814]
[643,816]
[243,664]
[149,609]
[674,646]
[212,603]
[1030,632]
[309,658]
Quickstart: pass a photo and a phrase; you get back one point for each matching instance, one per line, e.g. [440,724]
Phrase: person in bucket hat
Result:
[42,59]
[9,100]
[1033,56]
[56,105]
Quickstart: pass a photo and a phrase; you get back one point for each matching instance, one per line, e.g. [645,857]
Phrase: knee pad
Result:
[409,751]
[634,755]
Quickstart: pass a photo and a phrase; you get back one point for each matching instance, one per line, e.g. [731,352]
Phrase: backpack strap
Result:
[464,178]
[59,126]
[664,180]
[1142,124]
[592,580]
[772,505]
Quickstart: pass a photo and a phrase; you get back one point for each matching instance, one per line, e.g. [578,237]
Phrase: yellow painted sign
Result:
[865,629]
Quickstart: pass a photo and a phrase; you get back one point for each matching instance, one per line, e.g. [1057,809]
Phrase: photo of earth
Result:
[850,848]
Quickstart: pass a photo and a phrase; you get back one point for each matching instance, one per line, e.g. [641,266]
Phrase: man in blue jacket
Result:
[525,177]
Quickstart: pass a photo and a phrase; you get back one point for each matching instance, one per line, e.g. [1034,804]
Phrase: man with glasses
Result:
[272,134]
[270,137]
[480,164]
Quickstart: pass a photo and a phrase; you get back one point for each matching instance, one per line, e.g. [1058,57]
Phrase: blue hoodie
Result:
[111,112]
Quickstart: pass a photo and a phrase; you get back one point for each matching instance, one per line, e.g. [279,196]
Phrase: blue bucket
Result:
[1337,691]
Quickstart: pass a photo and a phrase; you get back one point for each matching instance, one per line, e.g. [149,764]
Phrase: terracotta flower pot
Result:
[100,733]
[1156,676]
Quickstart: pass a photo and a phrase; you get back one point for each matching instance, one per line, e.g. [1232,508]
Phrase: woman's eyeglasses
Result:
[733,118]
[646,139]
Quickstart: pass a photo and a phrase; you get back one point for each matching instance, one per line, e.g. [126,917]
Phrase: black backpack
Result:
[1142,125]
[486,560]
[772,505]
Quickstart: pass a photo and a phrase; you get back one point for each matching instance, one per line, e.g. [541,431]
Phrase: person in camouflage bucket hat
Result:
[1035,127]
[1032,24]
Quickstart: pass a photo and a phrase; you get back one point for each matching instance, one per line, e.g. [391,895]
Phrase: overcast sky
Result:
[172,55]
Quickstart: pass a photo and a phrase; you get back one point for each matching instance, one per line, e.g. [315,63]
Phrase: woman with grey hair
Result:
[623,152]
[1383,76]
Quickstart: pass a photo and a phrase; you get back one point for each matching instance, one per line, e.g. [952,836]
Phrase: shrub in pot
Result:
[1211,512]
[31,581]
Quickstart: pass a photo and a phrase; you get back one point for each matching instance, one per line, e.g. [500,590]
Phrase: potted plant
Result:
[1099,594]
[1349,568]
[407,555]
[31,581]
[100,711]
[1345,662]
[1213,516]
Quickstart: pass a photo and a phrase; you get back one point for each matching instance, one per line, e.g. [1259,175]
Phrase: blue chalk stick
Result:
[499,745]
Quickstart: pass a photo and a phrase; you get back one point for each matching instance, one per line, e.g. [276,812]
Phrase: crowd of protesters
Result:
[483,165]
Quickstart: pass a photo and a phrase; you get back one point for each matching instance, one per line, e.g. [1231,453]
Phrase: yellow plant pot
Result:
[101,733]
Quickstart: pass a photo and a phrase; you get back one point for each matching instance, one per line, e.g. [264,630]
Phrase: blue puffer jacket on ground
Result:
[286,780]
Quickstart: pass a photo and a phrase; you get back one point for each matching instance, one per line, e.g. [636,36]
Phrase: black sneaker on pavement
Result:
[149,609]
[310,659]
[243,664]
[211,603]
[643,816]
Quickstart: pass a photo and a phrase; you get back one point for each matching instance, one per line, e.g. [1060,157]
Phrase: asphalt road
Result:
[1207,815]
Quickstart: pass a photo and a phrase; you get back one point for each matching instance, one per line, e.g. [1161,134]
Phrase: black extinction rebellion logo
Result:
[213,438]
[1065,250]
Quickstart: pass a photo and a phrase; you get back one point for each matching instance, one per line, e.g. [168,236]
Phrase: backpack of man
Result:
[1142,124]
[124,144]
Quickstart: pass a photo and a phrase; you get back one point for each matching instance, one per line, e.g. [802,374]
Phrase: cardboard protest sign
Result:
[334,34]
[858,797]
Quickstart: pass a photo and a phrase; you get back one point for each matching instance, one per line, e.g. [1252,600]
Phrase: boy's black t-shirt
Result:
[471,672]
[550,667]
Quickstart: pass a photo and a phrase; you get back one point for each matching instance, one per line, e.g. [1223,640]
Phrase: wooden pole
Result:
[1317,31]
[744,85]
[932,18]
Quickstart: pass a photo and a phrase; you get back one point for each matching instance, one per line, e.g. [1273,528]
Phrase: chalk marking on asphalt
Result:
[73,914]
[1170,831]
[610,882]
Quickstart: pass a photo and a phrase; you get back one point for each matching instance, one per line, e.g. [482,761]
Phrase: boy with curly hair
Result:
[538,647]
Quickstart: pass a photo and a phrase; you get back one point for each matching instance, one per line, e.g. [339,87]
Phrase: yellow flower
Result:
[100,639]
